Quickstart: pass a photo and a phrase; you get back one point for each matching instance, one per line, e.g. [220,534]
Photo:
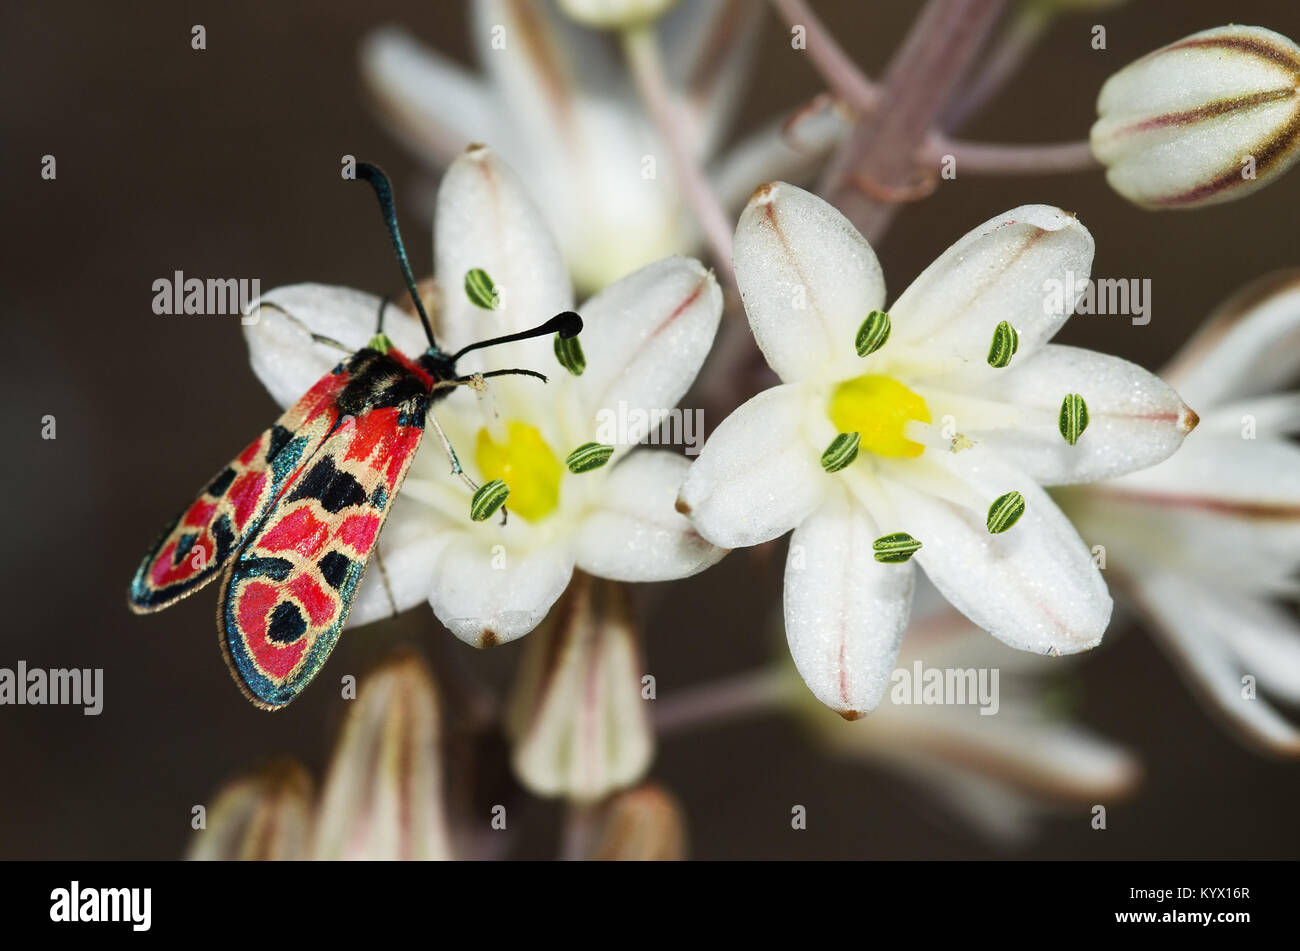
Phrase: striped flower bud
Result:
[645,824]
[1210,118]
[382,798]
[578,724]
[264,816]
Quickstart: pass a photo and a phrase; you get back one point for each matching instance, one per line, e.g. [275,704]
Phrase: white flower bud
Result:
[577,722]
[645,824]
[264,816]
[1207,119]
[383,796]
[615,14]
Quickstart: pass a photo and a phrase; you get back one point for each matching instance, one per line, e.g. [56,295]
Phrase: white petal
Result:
[1176,124]
[808,279]
[757,476]
[583,138]
[491,595]
[1026,267]
[1217,494]
[1134,419]
[646,337]
[1034,586]
[1250,345]
[435,105]
[486,220]
[844,611]
[637,534]
[281,350]
[1190,620]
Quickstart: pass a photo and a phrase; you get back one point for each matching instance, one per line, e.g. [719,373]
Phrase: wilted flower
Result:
[556,103]
[928,430]
[644,339]
[1210,118]
[1208,542]
[1003,770]
[577,721]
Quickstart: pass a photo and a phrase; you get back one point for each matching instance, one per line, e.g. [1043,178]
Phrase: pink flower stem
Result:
[876,168]
[641,47]
[736,696]
[842,75]
[986,158]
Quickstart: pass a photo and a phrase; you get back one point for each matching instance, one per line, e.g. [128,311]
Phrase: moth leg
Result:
[316,338]
[456,468]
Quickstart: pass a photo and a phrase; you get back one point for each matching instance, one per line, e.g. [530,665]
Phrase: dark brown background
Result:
[225,163]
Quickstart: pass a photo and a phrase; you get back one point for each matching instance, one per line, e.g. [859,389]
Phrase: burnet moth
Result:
[291,522]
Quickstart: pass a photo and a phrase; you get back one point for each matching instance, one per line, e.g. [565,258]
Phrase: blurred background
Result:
[225,162]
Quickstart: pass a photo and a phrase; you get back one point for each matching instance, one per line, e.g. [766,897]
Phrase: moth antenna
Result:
[384,192]
[316,338]
[567,324]
[512,372]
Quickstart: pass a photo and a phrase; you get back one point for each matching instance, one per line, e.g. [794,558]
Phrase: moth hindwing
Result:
[200,541]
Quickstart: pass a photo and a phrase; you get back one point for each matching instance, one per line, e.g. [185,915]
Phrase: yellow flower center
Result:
[526,464]
[878,408]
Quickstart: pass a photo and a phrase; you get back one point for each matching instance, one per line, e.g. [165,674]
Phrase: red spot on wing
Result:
[358,532]
[320,605]
[247,457]
[163,573]
[257,600]
[299,531]
[244,494]
[199,514]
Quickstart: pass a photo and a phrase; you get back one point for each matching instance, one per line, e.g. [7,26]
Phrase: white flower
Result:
[943,434]
[1003,770]
[557,104]
[644,339]
[1207,119]
[1208,542]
